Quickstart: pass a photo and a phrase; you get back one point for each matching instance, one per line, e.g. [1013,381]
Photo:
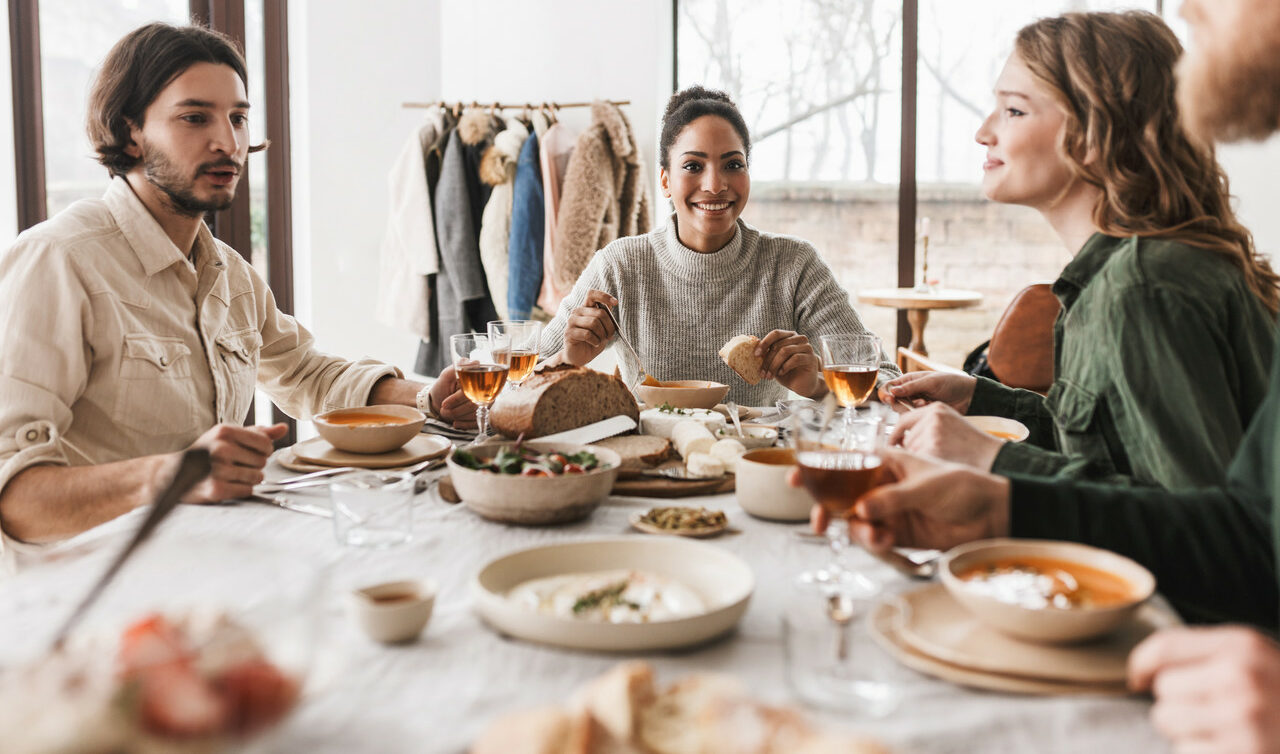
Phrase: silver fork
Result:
[301,483]
[617,329]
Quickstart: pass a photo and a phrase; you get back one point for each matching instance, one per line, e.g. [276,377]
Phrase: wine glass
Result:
[839,462]
[850,365]
[524,336]
[481,364]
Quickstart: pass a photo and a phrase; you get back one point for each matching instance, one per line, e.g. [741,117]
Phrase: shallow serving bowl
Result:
[381,438]
[683,393]
[533,500]
[753,435]
[1005,429]
[723,580]
[1048,624]
[761,485]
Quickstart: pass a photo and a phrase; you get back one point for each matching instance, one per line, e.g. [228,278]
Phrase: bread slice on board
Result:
[639,452]
[740,354]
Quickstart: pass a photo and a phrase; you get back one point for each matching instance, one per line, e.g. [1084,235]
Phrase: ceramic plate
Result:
[1005,429]
[884,630]
[942,628]
[318,451]
[721,578]
[638,523]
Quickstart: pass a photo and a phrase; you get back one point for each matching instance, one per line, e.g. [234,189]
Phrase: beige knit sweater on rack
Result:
[678,307]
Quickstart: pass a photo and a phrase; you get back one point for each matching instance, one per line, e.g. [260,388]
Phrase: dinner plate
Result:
[701,532]
[942,628]
[721,578]
[318,451]
[884,629]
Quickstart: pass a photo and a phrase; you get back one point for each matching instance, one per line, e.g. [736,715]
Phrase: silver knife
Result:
[591,432]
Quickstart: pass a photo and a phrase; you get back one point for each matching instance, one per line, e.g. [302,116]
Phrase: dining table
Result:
[439,693]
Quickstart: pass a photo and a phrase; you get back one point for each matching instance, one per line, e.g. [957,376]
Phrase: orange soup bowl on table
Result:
[1000,427]
[1046,591]
[370,429]
[681,393]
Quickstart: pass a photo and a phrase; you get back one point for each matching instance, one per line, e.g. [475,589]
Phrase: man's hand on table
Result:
[916,389]
[450,403]
[1216,689]
[238,455]
[925,504]
[938,431]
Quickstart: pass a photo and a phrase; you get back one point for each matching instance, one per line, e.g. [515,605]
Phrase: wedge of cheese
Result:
[655,421]
[690,437]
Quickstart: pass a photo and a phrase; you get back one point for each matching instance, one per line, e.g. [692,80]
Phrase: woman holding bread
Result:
[1168,312]
[681,292]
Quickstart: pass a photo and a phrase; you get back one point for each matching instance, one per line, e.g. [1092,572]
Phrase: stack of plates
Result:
[317,454]
[930,632]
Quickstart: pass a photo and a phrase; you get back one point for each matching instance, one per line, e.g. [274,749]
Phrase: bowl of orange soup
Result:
[370,429]
[998,426]
[1046,591]
[681,393]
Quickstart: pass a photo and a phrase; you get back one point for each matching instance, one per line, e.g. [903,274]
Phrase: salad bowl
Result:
[533,483]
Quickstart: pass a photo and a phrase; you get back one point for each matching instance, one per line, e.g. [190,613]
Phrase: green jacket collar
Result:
[1081,271]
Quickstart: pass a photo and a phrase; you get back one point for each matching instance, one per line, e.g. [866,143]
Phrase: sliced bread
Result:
[639,452]
[740,354]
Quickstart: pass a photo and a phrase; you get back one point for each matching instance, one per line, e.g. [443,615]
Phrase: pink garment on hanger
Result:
[555,147]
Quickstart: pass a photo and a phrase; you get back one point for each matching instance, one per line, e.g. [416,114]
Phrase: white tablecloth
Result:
[438,694]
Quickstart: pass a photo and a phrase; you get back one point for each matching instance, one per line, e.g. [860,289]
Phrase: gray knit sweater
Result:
[677,307]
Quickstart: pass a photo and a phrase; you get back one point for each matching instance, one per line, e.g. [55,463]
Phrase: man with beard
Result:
[130,333]
[1214,550]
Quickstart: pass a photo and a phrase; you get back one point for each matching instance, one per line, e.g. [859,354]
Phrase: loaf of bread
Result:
[559,399]
[740,354]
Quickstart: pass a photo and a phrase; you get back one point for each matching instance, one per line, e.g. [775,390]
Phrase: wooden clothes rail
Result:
[511,106]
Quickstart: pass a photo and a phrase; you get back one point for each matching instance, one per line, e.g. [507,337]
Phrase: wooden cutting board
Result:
[637,486]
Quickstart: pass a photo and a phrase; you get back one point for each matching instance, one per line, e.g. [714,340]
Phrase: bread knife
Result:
[591,432]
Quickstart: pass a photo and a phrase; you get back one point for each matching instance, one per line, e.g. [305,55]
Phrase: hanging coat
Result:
[498,169]
[555,153]
[524,250]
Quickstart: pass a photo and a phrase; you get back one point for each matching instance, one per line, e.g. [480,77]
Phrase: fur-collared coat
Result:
[498,169]
[605,195]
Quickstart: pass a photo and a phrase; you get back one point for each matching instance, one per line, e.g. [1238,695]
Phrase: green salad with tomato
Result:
[519,460]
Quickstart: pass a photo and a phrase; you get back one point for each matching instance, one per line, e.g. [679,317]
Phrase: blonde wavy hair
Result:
[1113,74]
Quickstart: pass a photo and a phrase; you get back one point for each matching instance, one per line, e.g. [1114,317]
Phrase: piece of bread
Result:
[639,452]
[555,400]
[543,730]
[616,699]
[740,354]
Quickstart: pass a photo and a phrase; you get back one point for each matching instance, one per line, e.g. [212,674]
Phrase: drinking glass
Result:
[372,508]
[850,364]
[524,336]
[482,363]
[839,462]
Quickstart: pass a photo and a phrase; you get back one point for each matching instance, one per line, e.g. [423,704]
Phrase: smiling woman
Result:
[683,290]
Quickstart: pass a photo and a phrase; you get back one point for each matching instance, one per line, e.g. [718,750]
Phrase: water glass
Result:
[832,660]
[372,508]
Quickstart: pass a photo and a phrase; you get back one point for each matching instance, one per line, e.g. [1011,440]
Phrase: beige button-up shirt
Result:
[114,345]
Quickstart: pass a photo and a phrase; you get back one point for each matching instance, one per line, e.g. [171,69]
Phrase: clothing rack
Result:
[509,106]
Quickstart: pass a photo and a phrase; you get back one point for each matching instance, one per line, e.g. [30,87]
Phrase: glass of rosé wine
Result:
[482,364]
[523,337]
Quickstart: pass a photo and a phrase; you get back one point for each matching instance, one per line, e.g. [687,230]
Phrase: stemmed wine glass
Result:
[839,462]
[850,365]
[481,363]
[523,336]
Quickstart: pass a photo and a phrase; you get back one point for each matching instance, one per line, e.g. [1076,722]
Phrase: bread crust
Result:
[739,354]
[559,399]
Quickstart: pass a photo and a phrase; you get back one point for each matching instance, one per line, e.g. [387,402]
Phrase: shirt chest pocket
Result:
[1081,415]
[238,362]
[155,395]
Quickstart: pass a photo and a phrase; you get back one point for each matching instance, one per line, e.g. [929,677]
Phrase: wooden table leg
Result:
[918,318]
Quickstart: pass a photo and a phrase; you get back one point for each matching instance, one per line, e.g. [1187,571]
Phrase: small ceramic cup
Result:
[395,611]
[761,486]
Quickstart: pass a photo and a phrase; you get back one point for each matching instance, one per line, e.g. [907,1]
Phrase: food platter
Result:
[645,522]
[722,580]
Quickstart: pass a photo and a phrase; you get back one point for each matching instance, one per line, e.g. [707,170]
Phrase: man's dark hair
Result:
[134,73]
[686,106]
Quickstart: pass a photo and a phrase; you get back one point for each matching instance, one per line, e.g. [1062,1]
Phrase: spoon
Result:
[617,330]
[840,611]
[733,414]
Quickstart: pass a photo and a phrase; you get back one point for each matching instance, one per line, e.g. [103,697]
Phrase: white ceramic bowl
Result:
[1049,624]
[388,620]
[761,485]
[753,435]
[721,578]
[1005,429]
[515,499]
[383,438]
[683,394]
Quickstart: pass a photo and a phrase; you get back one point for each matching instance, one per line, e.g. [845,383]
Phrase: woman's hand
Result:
[788,358]
[938,431]
[589,329]
[915,389]
[1216,689]
[450,403]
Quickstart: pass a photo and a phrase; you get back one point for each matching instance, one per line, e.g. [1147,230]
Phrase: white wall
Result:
[1252,169]
[352,64]
[8,184]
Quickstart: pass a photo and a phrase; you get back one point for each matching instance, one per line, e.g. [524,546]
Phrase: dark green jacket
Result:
[1213,550]
[1161,355]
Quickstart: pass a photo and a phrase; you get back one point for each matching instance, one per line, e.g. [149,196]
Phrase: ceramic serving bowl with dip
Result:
[370,429]
[753,435]
[1003,583]
[761,485]
[534,500]
[683,393]
[998,426]
[394,612]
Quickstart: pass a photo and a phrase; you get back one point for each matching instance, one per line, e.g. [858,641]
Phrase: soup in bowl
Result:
[1046,591]
[681,393]
[370,429]
[1001,427]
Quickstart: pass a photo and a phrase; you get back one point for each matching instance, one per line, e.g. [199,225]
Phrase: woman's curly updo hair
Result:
[686,106]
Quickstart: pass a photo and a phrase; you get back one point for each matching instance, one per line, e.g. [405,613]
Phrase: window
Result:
[820,84]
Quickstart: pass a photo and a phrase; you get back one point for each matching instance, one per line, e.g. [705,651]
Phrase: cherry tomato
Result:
[557,458]
[534,471]
[573,468]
